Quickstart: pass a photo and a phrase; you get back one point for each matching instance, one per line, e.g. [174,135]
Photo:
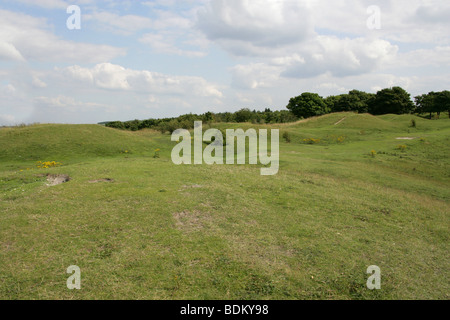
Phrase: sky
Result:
[152,59]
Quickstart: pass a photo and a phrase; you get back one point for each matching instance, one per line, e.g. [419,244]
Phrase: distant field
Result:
[352,191]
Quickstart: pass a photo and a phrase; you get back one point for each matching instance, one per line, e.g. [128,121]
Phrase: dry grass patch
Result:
[192,221]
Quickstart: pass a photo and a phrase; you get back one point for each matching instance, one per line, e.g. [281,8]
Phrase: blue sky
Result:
[149,59]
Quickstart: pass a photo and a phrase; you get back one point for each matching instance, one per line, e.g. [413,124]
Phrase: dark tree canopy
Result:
[307,105]
[442,102]
[425,103]
[393,100]
[433,102]
[355,100]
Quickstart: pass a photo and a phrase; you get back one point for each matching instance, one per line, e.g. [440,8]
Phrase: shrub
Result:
[287,137]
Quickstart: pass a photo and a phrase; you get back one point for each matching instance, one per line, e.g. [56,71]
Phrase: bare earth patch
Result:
[55,179]
[406,138]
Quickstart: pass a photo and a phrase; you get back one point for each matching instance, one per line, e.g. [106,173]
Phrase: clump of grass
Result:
[401,147]
[337,139]
[287,137]
[413,123]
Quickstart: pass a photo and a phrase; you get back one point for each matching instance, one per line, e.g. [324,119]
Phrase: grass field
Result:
[140,227]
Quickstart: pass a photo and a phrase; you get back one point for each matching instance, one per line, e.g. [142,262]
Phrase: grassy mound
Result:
[67,141]
[140,227]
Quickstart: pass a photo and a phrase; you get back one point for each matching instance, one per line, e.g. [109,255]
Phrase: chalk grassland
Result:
[348,195]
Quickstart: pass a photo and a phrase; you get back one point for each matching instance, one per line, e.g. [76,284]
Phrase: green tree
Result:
[425,103]
[307,105]
[243,115]
[208,117]
[332,102]
[358,101]
[393,100]
[133,125]
[442,102]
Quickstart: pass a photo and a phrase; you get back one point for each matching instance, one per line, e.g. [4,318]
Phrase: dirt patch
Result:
[406,138]
[55,179]
[101,180]
[191,221]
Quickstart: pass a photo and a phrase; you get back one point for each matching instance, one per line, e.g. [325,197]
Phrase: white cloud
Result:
[332,86]
[255,75]
[309,38]
[23,37]
[67,109]
[254,24]
[341,57]
[170,20]
[54,4]
[67,103]
[282,34]
[38,83]
[438,57]
[165,43]
[9,89]
[9,52]
[115,77]
[48,4]
[126,24]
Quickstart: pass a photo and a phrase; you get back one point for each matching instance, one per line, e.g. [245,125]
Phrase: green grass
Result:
[160,231]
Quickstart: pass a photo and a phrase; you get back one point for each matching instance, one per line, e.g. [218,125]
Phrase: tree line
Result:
[186,121]
[387,101]
[394,100]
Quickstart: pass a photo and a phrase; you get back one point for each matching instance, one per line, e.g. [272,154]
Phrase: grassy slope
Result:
[161,231]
